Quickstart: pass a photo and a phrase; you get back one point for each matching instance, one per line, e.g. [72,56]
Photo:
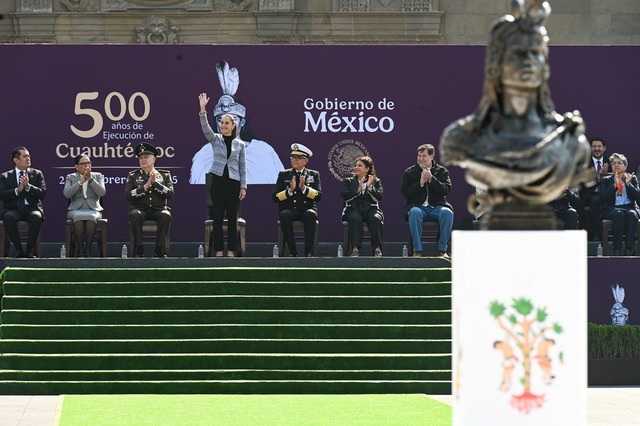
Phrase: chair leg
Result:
[4,247]
[102,240]
[410,245]
[280,241]
[606,228]
[69,239]
[242,240]
[345,238]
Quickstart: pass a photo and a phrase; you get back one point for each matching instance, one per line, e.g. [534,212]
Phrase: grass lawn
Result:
[183,410]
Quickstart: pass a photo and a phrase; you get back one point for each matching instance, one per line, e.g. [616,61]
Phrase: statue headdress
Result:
[618,296]
[229,81]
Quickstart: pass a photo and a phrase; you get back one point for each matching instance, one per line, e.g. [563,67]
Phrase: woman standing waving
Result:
[229,177]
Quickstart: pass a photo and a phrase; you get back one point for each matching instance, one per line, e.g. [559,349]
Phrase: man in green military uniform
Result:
[148,190]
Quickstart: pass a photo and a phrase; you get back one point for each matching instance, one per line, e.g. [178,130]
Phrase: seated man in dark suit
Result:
[297,191]
[591,196]
[21,190]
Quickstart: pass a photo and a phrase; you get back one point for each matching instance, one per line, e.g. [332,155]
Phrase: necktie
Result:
[21,199]
[599,166]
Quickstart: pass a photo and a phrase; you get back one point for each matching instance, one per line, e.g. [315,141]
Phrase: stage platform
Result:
[226,262]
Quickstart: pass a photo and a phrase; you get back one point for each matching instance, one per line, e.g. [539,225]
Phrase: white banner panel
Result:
[519,327]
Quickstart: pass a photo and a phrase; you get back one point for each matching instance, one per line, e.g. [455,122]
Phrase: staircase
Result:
[225,330]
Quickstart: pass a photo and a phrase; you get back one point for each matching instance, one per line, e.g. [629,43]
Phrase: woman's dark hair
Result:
[368,162]
[77,158]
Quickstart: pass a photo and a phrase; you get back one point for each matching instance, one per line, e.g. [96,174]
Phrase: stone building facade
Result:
[576,22]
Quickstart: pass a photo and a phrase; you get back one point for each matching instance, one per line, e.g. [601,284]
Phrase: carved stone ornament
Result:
[191,5]
[515,146]
[35,6]
[157,30]
[82,5]
[417,6]
[277,5]
[354,5]
[235,5]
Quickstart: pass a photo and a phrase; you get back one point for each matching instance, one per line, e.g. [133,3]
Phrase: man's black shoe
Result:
[159,252]
[629,252]
[29,254]
[308,254]
[19,254]
[139,251]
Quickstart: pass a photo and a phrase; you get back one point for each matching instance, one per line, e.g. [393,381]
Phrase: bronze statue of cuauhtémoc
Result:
[515,146]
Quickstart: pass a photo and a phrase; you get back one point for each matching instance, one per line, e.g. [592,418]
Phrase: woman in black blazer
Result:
[362,193]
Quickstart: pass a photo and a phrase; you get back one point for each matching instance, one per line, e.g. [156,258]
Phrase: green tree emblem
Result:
[529,341]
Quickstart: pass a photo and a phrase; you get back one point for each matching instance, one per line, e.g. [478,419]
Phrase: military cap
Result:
[299,149]
[146,148]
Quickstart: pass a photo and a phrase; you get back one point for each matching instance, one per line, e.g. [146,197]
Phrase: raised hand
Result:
[204,100]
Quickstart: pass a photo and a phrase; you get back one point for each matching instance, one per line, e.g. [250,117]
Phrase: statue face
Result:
[618,318]
[523,62]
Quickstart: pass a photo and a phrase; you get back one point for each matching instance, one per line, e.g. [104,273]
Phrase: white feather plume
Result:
[618,293]
[517,8]
[228,77]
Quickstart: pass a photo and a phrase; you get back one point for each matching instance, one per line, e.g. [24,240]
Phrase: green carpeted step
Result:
[227,375]
[227,346]
[265,331]
[226,330]
[221,387]
[231,301]
[11,361]
[209,288]
[244,316]
[130,275]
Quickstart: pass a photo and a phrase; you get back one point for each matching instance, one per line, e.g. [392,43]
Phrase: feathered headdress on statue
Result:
[229,81]
[618,296]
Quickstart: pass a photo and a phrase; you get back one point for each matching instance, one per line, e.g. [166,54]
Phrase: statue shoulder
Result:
[457,140]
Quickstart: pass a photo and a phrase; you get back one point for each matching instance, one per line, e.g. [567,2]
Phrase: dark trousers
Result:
[137,216]
[625,221]
[569,217]
[592,224]
[29,214]
[309,217]
[225,202]
[373,219]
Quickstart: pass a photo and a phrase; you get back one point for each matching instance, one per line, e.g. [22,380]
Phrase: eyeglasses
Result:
[298,157]
[86,163]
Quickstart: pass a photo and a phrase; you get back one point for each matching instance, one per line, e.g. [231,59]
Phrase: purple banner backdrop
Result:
[58,100]
[605,272]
